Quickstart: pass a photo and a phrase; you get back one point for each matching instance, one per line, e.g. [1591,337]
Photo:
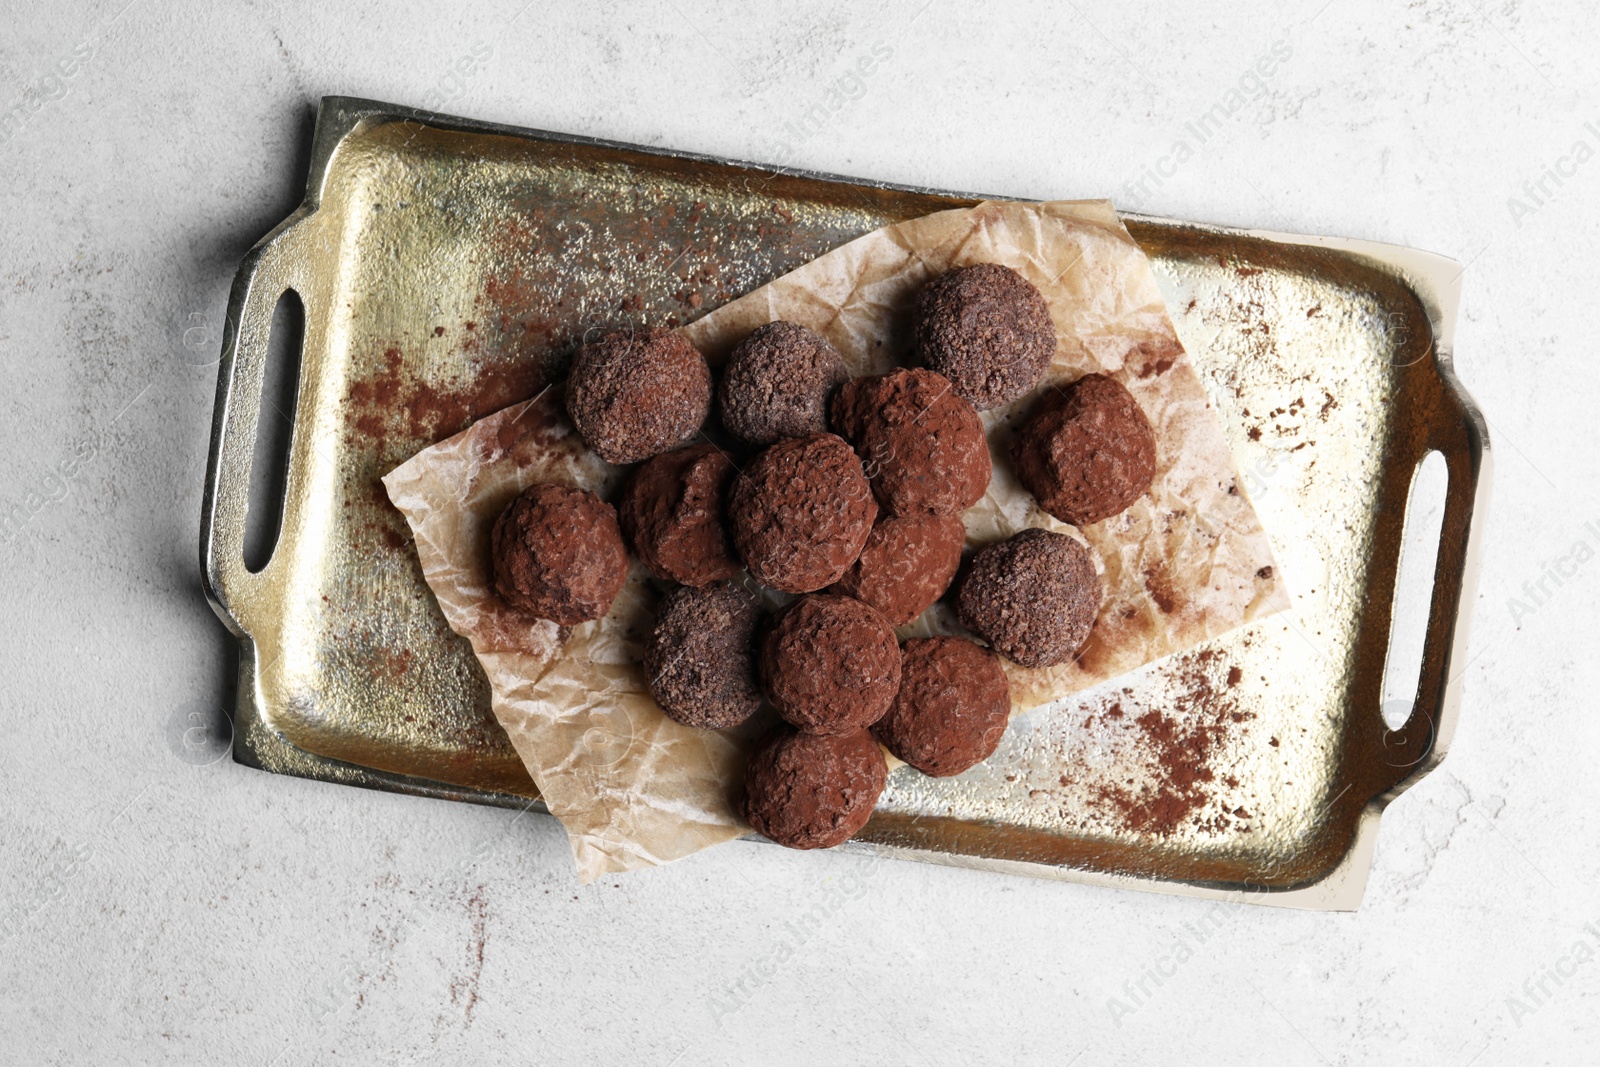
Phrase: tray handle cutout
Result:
[1422,672]
[1408,628]
[249,463]
[269,465]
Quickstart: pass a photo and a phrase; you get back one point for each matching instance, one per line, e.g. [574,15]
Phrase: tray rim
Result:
[1433,279]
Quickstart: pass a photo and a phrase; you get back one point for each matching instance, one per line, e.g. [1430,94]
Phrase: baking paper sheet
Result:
[1186,563]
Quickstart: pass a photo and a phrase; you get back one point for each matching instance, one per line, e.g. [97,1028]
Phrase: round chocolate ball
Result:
[700,658]
[800,512]
[777,384]
[987,329]
[1087,452]
[830,664]
[634,393]
[1034,597]
[672,513]
[952,708]
[811,790]
[907,564]
[921,444]
[558,554]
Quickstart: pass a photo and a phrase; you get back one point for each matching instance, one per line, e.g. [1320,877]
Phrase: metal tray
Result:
[449,267]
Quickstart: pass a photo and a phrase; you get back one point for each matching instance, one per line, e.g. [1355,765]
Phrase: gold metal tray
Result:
[449,267]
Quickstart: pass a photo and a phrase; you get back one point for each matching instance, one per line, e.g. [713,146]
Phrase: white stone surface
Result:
[154,911]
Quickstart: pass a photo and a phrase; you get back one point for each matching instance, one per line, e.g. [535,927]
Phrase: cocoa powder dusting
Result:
[1181,743]
[392,404]
[1161,589]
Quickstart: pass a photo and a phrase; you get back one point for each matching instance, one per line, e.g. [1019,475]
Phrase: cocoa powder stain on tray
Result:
[392,413]
[550,284]
[1180,744]
[372,514]
[393,403]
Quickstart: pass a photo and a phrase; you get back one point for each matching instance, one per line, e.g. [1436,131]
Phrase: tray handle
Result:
[1452,426]
[270,269]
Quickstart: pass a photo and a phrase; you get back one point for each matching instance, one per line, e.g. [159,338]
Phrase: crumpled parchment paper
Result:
[1186,563]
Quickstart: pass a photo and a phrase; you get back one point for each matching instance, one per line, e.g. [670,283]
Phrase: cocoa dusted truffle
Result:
[633,394]
[952,708]
[987,329]
[813,791]
[908,563]
[777,384]
[922,445]
[700,658]
[1087,452]
[800,512]
[558,554]
[672,513]
[1034,597]
[830,664]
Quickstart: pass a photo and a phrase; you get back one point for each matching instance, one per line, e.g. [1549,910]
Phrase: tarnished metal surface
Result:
[448,268]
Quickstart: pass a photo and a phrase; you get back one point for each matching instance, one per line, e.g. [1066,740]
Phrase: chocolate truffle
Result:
[987,329]
[921,444]
[633,394]
[1087,452]
[952,708]
[813,791]
[558,554]
[1034,597]
[672,513]
[830,664]
[800,512]
[700,658]
[777,384]
[908,563]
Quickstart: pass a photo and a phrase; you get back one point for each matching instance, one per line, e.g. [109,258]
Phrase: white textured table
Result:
[154,910]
